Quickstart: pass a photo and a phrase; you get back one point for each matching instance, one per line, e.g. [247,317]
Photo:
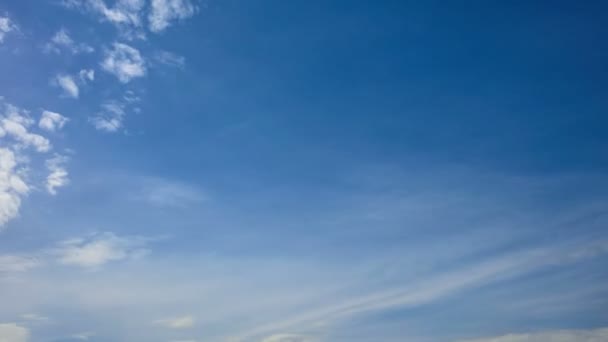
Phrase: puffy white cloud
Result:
[182,322]
[100,249]
[51,121]
[62,40]
[15,263]
[595,335]
[87,75]
[12,188]
[67,83]
[15,123]
[124,62]
[110,118]
[6,26]
[11,332]
[165,11]
[15,138]
[58,174]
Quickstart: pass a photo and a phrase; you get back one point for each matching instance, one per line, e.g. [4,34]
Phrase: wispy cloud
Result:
[62,41]
[181,322]
[110,117]
[124,62]
[34,317]
[590,335]
[170,59]
[163,12]
[165,193]
[58,174]
[288,338]
[86,75]
[99,249]
[67,84]
[6,26]
[435,287]
[125,14]
[16,263]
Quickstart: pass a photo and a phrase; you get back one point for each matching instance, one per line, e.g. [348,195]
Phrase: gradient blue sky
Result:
[303,171]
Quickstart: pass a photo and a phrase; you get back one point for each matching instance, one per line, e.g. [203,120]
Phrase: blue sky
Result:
[303,171]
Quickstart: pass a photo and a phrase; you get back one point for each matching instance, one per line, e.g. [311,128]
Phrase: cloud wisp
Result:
[163,12]
[67,84]
[99,249]
[124,62]
[590,335]
[6,26]
[61,41]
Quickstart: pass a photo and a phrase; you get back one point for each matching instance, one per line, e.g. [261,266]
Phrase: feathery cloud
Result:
[170,59]
[594,335]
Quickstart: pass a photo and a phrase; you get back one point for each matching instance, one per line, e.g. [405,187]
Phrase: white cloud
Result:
[85,336]
[12,187]
[100,249]
[15,263]
[51,121]
[287,338]
[67,83]
[170,59]
[437,287]
[34,317]
[15,123]
[62,40]
[16,138]
[125,14]
[165,11]
[166,193]
[11,332]
[182,322]
[110,118]
[6,26]
[124,62]
[596,335]
[58,174]
[87,75]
